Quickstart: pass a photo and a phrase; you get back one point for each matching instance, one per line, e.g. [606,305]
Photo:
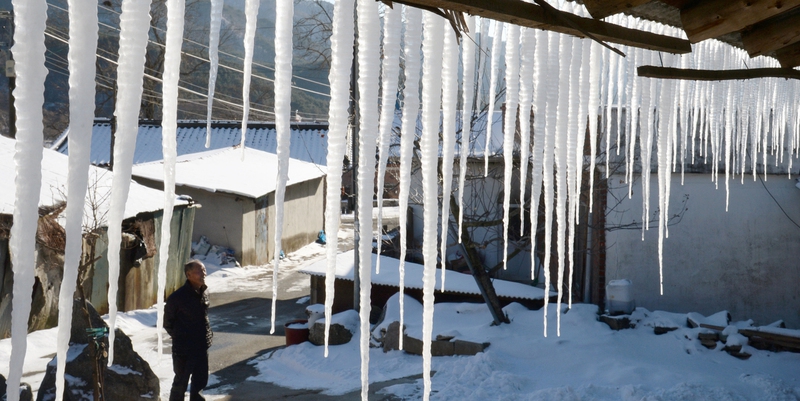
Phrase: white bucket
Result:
[618,297]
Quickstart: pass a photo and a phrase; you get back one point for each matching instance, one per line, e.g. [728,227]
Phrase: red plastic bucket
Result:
[294,333]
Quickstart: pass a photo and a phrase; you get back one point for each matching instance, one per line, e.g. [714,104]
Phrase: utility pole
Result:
[7,32]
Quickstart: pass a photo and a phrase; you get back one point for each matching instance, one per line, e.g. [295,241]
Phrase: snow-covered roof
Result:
[224,170]
[54,183]
[454,282]
[309,141]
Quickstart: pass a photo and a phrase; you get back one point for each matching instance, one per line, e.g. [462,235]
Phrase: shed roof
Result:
[455,282]
[55,169]
[226,170]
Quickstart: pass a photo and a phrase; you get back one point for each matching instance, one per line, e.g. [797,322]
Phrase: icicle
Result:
[432,89]
[509,126]
[449,104]
[468,82]
[551,88]
[169,128]
[698,91]
[134,24]
[411,99]
[685,108]
[496,44]
[620,85]
[664,110]
[728,139]
[611,79]
[570,163]
[82,48]
[389,72]
[582,91]
[596,64]
[251,20]
[284,12]
[527,45]
[562,124]
[633,121]
[368,55]
[483,53]
[213,58]
[540,73]
[338,118]
[648,92]
[28,51]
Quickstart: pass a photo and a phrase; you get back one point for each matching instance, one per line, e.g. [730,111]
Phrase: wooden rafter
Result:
[712,18]
[789,56]
[533,16]
[772,34]
[651,71]
[603,8]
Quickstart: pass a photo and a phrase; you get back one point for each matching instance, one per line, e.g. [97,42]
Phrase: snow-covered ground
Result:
[588,360]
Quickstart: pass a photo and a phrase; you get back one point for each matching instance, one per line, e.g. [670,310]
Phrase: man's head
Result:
[195,272]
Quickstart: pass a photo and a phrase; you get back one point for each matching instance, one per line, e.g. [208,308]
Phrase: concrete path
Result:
[241,324]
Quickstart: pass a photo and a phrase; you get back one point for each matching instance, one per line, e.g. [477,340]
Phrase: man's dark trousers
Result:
[184,366]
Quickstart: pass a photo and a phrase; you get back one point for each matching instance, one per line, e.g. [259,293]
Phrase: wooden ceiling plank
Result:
[707,19]
[533,16]
[789,56]
[603,8]
[652,71]
[773,34]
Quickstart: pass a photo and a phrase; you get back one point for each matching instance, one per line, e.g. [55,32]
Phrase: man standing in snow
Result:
[186,321]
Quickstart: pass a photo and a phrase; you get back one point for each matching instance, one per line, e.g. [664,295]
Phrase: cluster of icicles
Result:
[567,81]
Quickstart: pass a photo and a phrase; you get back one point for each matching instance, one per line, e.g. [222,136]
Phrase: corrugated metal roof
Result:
[309,141]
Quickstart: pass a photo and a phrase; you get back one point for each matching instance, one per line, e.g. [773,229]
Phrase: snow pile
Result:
[588,361]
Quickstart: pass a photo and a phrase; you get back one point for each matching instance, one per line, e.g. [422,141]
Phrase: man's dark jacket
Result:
[186,320]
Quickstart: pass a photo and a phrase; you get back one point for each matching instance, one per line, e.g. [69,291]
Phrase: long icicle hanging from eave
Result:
[410,109]
[429,144]
[215,23]
[284,13]
[169,130]
[83,27]
[28,52]
[338,120]
[449,103]
[390,69]
[368,84]
[134,24]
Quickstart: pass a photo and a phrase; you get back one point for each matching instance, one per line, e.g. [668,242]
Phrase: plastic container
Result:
[296,331]
[618,297]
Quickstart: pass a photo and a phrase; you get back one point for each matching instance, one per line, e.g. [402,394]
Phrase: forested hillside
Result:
[309,98]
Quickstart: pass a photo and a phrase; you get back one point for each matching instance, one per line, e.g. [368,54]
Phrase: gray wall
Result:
[303,216]
[745,260]
[221,217]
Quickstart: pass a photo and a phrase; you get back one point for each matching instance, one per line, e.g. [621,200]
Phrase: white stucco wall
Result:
[745,260]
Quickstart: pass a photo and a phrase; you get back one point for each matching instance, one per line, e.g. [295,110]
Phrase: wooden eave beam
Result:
[533,16]
[789,56]
[772,34]
[651,71]
[603,8]
[705,19]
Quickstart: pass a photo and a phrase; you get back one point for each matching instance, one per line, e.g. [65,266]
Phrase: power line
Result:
[207,61]
[220,52]
[154,78]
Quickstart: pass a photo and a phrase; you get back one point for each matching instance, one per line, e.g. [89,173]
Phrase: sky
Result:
[587,361]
